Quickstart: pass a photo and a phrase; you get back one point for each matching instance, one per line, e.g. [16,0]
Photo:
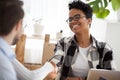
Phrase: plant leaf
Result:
[102,13]
[94,5]
[95,8]
[115,4]
[99,7]
[105,3]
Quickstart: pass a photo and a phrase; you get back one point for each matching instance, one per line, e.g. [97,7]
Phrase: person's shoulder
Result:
[105,45]
[2,57]
[101,43]
[4,60]
[66,39]
[6,68]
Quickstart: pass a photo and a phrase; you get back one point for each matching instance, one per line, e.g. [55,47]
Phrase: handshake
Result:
[53,74]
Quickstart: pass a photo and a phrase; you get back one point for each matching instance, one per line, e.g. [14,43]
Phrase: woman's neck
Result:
[83,40]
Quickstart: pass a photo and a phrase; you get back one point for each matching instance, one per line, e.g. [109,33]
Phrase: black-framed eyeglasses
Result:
[75,18]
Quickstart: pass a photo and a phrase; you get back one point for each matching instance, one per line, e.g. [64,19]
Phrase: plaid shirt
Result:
[66,52]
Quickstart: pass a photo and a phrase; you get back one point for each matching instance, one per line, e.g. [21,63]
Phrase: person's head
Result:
[11,15]
[80,15]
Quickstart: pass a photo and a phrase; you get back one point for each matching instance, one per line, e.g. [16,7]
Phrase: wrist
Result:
[54,66]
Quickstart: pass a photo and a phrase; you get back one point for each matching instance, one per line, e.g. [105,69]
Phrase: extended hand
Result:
[53,74]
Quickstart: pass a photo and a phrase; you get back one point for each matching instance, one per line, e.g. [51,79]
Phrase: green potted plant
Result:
[100,7]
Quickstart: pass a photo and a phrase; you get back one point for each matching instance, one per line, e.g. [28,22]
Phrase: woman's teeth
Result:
[74,26]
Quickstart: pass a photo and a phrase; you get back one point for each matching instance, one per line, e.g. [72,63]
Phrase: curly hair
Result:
[10,13]
[77,4]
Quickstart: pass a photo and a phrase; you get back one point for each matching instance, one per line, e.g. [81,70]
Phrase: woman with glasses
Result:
[77,54]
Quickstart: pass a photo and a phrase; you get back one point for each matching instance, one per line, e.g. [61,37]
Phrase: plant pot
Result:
[38,29]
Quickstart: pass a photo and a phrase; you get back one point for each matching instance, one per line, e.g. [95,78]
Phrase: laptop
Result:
[100,74]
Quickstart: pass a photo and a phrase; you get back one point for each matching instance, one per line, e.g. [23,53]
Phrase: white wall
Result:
[98,28]
[113,38]
[108,31]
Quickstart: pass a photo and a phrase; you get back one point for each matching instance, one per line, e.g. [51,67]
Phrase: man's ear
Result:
[18,25]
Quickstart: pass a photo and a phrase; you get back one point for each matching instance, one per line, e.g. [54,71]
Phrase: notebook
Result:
[100,74]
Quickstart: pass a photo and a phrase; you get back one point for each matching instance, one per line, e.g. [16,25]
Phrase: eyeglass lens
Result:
[76,18]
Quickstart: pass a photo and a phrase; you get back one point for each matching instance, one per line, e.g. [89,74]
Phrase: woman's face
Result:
[78,22]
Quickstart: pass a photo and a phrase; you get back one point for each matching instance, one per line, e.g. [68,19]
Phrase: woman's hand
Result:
[53,74]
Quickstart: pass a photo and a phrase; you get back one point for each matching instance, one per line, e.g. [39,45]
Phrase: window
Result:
[52,12]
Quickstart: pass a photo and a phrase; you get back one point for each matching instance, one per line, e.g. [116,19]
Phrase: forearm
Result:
[58,59]
[25,74]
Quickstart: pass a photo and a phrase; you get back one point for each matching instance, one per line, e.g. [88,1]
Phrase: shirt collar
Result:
[93,41]
[6,49]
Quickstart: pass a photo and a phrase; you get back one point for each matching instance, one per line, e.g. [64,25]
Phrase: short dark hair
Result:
[10,13]
[77,4]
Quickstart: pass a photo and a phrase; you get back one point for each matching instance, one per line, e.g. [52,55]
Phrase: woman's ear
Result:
[89,20]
